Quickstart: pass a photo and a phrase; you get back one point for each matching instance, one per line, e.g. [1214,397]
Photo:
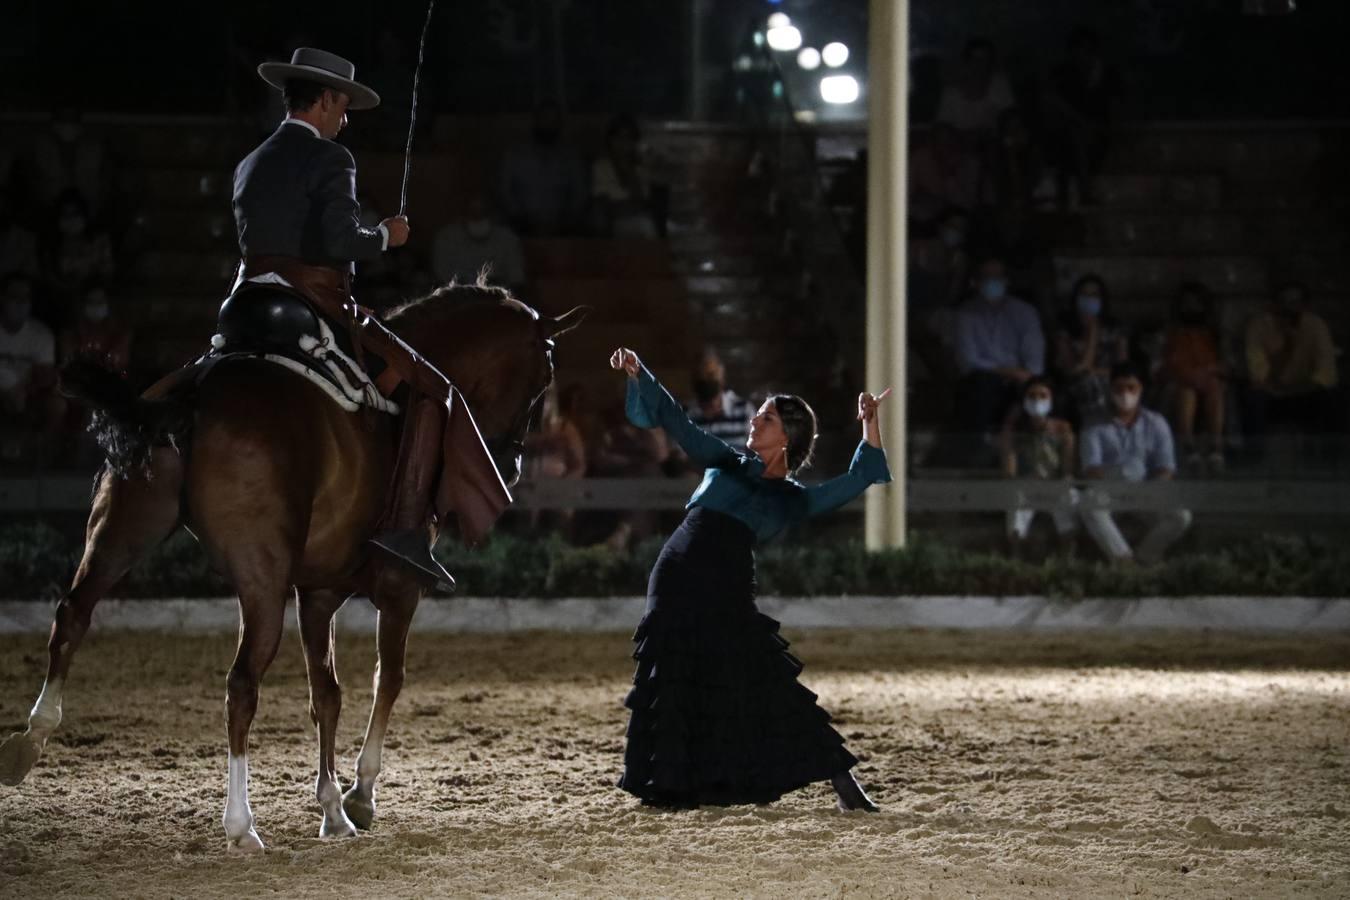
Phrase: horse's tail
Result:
[126,425]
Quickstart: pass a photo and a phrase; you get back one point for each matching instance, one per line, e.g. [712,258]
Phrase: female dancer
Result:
[718,716]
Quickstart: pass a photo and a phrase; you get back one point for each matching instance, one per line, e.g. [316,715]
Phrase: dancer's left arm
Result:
[867,468]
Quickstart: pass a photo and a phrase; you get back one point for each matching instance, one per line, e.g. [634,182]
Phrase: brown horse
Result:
[282,487]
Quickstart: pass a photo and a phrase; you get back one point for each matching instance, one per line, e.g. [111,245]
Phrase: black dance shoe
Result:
[851,794]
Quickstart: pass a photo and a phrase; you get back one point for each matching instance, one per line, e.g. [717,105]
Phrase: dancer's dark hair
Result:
[799,422]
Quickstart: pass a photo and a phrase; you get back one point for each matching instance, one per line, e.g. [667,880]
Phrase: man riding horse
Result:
[297,217]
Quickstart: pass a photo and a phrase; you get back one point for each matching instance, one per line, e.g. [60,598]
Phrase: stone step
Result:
[593,258]
[1203,232]
[1238,152]
[1160,275]
[1120,191]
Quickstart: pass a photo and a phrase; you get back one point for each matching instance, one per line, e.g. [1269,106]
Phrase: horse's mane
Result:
[454,297]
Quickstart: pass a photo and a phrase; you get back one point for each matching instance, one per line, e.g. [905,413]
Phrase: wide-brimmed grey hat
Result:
[327,69]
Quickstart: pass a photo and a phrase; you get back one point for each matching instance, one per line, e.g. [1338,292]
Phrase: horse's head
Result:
[497,350]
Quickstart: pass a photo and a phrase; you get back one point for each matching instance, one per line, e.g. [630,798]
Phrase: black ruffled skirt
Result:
[718,716]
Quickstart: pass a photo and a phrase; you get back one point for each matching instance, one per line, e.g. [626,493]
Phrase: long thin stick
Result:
[412,114]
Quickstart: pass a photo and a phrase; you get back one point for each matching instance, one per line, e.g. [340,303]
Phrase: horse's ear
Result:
[564,323]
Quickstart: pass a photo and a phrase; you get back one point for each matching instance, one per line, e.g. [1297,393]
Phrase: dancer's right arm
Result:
[649,405]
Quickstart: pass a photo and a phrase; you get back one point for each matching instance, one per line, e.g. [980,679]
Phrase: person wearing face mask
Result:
[476,243]
[97,334]
[999,345]
[1037,444]
[981,92]
[29,400]
[717,409]
[1196,378]
[1088,343]
[1135,444]
[18,245]
[718,717]
[1291,364]
[543,183]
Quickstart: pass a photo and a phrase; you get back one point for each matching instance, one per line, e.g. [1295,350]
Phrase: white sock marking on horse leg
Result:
[46,714]
[238,818]
[368,766]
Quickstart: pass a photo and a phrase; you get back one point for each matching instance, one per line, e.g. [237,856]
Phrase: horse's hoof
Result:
[18,754]
[341,827]
[359,808]
[247,843]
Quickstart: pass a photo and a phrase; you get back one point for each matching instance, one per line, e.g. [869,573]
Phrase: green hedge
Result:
[36,562]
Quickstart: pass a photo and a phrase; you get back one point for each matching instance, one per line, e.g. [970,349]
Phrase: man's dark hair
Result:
[301,94]
[1129,369]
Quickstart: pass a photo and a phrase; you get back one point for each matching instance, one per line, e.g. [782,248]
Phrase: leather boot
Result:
[403,532]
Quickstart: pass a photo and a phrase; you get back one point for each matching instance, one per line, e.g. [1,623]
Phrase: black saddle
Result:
[271,318]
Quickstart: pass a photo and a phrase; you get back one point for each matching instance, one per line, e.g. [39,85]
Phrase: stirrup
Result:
[410,548]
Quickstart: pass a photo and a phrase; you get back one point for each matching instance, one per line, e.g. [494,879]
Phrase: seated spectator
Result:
[1036,444]
[558,448]
[97,335]
[18,245]
[1088,342]
[33,409]
[717,409]
[1195,377]
[626,451]
[626,202]
[1082,92]
[77,253]
[543,183]
[973,103]
[463,249]
[999,345]
[937,277]
[943,173]
[1134,445]
[1291,364]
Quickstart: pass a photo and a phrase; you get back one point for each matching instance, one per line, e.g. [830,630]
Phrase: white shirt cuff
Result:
[384,236]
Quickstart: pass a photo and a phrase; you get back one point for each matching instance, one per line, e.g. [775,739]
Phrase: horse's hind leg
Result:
[262,607]
[397,600]
[315,612]
[129,518]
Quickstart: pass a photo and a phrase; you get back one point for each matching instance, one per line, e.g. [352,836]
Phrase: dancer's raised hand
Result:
[626,361]
[867,404]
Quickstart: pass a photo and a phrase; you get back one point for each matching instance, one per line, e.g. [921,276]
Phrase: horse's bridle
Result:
[514,440]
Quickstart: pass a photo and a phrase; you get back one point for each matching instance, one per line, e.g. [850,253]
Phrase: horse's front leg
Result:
[396,598]
[315,612]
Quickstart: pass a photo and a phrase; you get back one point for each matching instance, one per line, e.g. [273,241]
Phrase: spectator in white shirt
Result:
[462,249]
[28,396]
[980,94]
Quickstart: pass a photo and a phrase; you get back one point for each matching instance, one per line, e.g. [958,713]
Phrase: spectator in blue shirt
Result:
[1134,445]
[999,345]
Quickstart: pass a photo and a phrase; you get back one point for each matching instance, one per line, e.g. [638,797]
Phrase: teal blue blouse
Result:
[733,481]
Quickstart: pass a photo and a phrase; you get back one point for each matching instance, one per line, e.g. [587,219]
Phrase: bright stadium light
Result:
[835,54]
[839,89]
[785,38]
[809,58]
[779,20]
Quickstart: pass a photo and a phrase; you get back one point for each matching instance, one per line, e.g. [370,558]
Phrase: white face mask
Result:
[1038,407]
[96,312]
[1125,400]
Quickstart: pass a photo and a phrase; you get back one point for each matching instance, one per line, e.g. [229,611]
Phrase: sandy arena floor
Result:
[1007,766]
